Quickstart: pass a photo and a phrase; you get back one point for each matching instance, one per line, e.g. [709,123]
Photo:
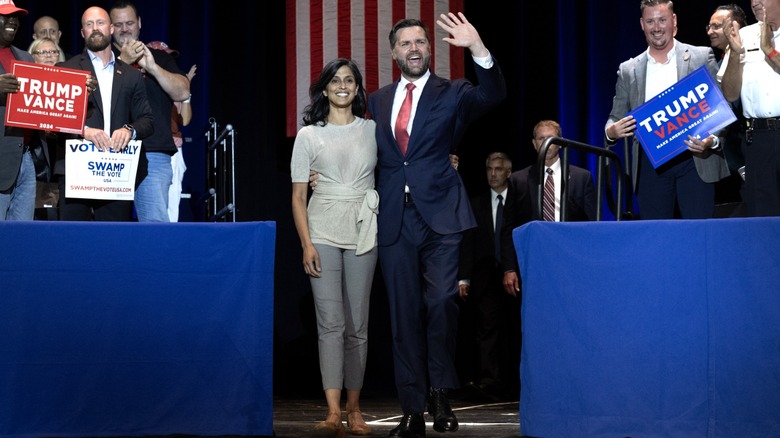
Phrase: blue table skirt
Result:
[650,328]
[111,329]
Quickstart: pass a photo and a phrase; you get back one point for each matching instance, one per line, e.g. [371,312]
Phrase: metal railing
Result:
[603,155]
[220,173]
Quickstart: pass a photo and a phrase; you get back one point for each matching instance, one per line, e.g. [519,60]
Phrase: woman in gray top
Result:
[338,232]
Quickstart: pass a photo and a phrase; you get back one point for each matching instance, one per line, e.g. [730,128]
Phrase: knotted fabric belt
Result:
[367,225]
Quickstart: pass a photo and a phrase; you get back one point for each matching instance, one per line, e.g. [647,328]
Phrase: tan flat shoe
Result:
[331,427]
[356,424]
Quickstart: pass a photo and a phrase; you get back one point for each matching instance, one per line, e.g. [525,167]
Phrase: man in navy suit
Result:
[425,209]
[489,329]
[524,184]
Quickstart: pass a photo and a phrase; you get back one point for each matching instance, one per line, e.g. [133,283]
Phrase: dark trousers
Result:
[762,174]
[77,209]
[420,271]
[496,327]
[675,181]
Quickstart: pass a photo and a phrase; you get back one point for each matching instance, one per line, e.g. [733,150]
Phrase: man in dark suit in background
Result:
[580,200]
[491,316]
[425,210]
[112,120]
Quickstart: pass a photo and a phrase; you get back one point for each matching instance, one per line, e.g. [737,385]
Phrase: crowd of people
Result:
[136,92]
[385,187]
[439,253]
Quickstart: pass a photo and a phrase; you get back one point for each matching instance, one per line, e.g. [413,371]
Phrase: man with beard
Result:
[687,180]
[165,83]
[117,112]
[425,209]
[17,171]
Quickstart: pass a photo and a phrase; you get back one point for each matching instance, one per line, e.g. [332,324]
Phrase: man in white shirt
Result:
[753,76]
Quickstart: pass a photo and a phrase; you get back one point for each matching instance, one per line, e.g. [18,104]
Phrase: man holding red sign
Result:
[17,171]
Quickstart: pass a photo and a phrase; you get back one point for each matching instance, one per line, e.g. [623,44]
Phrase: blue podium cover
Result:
[129,329]
[693,106]
[650,328]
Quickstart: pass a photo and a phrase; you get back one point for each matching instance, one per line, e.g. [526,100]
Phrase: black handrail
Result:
[602,153]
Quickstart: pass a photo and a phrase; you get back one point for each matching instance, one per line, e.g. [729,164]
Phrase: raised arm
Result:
[463,34]
[731,84]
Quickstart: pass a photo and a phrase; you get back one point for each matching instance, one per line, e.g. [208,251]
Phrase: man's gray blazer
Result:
[630,93]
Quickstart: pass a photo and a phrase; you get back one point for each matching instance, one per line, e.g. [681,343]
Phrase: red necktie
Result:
[402,122]
[548,205]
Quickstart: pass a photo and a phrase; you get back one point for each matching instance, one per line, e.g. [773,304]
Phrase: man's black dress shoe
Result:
[443,418]
[486,390]
[411,426]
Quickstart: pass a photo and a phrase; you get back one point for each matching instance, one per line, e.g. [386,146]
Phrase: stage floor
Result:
[294,418]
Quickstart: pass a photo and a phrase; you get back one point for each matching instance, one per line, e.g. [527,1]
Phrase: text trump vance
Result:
[49,95]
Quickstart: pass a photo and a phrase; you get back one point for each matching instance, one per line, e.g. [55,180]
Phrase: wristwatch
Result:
[131,129]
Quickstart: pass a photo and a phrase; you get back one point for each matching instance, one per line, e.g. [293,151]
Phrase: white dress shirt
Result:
[660,76]
[556,168]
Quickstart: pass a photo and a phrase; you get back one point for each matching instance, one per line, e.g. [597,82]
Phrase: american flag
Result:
[321,30]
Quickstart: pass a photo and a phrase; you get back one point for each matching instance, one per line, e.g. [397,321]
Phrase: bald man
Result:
[47,27]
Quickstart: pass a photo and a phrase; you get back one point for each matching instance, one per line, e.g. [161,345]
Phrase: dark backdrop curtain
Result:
[559,57]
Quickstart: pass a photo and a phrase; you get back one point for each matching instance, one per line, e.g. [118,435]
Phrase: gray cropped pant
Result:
[341,299]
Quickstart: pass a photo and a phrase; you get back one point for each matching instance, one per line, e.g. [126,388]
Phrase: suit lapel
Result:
[119,71]
[428,97]
[86,64]
[640,71]
[487,211]
[534,184]
[385,106]
[683,61]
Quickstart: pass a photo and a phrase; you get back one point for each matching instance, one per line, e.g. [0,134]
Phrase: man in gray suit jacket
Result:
[689,178]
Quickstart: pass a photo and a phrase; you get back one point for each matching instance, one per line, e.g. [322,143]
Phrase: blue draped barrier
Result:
[650,328]
[111,329]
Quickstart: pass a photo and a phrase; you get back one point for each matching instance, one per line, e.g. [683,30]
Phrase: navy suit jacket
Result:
[444,111]
[477,250]
[580,205]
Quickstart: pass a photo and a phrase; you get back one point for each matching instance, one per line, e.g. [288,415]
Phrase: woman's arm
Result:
[311,259]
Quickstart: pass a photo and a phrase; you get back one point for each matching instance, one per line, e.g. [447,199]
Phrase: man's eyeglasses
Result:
[713,27]
[47,52]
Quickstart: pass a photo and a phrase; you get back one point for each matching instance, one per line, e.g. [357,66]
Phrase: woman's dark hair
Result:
[317,112]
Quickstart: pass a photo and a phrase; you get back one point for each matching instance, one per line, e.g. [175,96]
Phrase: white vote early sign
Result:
[95,174]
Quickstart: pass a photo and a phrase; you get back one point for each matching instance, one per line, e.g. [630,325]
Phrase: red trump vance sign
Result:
[49,98]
